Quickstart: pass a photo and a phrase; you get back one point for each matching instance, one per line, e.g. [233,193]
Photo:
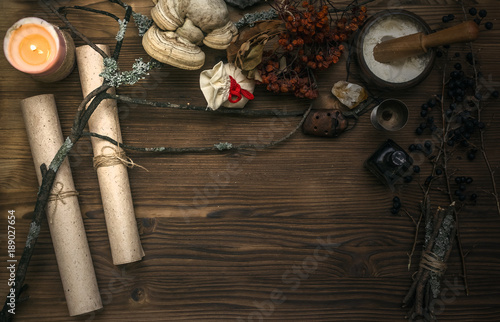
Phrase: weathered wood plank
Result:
[221,230]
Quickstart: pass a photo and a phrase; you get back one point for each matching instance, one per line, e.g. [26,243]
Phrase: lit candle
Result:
[34,46]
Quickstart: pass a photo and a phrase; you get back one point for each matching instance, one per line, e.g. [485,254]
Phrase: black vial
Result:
[390,163]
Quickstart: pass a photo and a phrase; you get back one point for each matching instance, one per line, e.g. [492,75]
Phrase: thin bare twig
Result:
[213,148]
[73,29]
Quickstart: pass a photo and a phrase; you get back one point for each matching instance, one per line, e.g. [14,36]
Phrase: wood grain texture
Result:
[298,232]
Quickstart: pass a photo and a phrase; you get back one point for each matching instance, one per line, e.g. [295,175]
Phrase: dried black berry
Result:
[471,156]
[419,147]
[473,197]
[445,19]
[477,20]
[423,113]
[489,25]
[396,204]
[394,211]
[431,102]
[478,96]
[425,107]
[412,147]
[469,180]
[473,11]
[396,199]
[458,66]
[462,197]
[458,192]
[495,94]
[462,187]
[428,180]
[416,169]
[408,179]
[419,131]
[458,180]
[439,172]
[481,125]
[482,13]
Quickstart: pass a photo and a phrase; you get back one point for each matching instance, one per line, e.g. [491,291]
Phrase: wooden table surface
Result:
[234,236]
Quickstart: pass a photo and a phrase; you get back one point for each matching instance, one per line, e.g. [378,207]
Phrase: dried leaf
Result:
[270,27]
[283,64]
[244,48]
[253,74]
[254,57]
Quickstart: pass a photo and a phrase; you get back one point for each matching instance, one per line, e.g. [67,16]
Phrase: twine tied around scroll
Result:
[114,158]
[60,196]
[431,262]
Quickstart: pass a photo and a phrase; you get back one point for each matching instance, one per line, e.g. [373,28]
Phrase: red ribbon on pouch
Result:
[236,91]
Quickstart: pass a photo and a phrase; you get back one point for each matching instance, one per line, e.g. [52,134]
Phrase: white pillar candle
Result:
[36,47]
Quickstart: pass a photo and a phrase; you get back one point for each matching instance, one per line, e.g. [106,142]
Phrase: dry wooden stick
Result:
[448,186]
[43,195]
[419,293]
[494,193]
[214,148]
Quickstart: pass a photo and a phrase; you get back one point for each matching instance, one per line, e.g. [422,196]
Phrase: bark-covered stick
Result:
[63,211]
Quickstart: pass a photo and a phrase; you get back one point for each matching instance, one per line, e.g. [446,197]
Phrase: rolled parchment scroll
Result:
[112,173]
[63,211]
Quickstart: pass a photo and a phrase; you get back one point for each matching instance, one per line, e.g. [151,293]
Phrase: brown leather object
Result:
[326,123]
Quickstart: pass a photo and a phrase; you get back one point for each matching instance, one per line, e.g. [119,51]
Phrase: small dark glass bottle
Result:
[390,163]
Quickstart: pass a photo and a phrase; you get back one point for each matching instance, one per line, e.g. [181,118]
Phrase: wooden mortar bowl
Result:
[367,74]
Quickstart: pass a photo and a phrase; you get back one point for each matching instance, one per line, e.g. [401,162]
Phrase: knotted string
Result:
[114,158]
[60,196]
[237,91]
[431,262]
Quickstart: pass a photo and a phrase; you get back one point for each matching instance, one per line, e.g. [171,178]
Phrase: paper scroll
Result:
[63,211]
[112,174]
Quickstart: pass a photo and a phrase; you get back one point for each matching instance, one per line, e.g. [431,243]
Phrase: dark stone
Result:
[242,4]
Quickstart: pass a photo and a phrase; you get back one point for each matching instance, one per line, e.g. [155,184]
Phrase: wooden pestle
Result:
[419,43]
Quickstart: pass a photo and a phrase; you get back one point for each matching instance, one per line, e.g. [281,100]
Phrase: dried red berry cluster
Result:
[312,41]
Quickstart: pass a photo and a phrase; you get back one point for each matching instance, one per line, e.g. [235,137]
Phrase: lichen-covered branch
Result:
[222,146]
[189,107]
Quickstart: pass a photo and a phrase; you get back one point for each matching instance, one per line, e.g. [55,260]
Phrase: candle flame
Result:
[33,48]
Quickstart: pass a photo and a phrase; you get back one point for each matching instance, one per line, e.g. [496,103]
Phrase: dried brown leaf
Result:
[253,58]
[269,27]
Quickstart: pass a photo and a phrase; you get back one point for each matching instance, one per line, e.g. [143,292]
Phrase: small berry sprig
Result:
[311,41]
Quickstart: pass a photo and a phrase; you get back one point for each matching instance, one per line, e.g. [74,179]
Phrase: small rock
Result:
[242,4]
[349,94]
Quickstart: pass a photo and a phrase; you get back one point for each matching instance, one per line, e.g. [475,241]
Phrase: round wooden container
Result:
[367,74]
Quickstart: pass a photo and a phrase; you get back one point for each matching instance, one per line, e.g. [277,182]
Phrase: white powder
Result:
[394,72]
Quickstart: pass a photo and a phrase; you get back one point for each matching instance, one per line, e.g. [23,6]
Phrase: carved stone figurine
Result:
[182,25]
